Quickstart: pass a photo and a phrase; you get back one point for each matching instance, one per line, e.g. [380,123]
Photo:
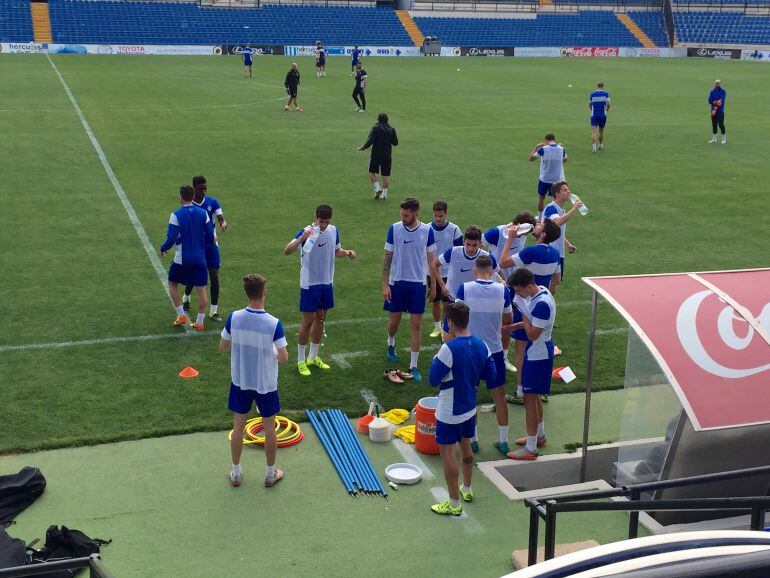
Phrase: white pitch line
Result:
[141,233]
[613,331]
[341,359]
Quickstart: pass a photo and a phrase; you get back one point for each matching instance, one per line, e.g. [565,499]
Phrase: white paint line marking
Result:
[613,331]
[342,358]
[130,338]
[141,233]
[368,395]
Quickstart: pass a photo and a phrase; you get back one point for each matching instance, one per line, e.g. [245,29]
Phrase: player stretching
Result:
[355,56]
[552,158]
[599,104]
[543,260]
[409,250]
[188,231]
[490,306]
[456,371]
[291,82]
[320,59]
[538,320]
[382,139]
[447,235]
[247,53]
[359,90]
[320,244]
[214,211]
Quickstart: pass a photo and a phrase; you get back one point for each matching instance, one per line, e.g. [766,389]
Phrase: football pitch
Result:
[87,350]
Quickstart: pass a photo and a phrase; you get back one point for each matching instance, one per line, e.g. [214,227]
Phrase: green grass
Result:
[660,200]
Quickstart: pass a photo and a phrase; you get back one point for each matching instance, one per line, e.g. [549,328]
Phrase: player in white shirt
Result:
[320,59]
[539,316]
[460,262]
[320,243]
[409,250]
[490,308]
[552,157]
[446,235]
[555,211]
[495,238]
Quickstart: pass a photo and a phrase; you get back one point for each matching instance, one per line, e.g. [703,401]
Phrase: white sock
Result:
[503,433]
[270,471]
[519,391]
[180,310]
[475,437]
[236,469]
[377,186]
[214,309]
[385,192]
[465,488]
[201,319]
[301,352]
[413,358]
[437,325]
[532,444]
[541,430]
[185,298]
[454,503]
[313,350]
[724,139]
[391,341]
[593,146]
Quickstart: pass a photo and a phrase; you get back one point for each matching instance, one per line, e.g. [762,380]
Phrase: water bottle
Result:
[582,209]
[310,241]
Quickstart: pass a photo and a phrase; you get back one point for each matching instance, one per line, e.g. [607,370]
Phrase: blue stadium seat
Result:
[721,28]
[15,21]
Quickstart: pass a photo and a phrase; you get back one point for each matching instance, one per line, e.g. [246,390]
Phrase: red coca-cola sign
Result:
[710,333]
[586,51]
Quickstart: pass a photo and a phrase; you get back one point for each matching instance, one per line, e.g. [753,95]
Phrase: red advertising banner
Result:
[585,51]
[710,333]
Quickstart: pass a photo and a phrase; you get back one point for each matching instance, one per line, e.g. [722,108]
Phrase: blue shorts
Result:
[451,433]
[321,62]
[406,296]
[536,376]
[242,400]
[195,275]
[212,256]
[519,334]
[599,121]
[316,297]
[543,189]
[499,360]
[247,61]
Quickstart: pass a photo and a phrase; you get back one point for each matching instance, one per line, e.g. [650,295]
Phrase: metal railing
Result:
[92,562]
[547,507]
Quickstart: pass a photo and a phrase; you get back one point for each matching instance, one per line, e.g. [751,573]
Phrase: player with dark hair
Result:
[447,235]
[359,90]
[189,231]
[382,139]
[320,59]
[599,105]
[552,157]
[355,56]
[214,211]
[247,54]
[320,243]
[460,262]
[292,86]
[456,370]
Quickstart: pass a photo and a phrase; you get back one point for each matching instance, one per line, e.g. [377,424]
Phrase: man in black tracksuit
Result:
[382,139]
[292,85]
[360,88]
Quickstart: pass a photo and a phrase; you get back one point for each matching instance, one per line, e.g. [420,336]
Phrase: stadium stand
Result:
[591,28]
[721,28]
[652,24]
[188,23]
[15,21]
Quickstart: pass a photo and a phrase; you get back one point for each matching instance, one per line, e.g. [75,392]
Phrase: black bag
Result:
[63,544]
[17,491]
[13,552]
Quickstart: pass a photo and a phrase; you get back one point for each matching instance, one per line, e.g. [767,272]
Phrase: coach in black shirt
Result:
[382,139]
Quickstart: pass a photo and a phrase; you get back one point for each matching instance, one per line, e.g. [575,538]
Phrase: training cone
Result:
[189,371]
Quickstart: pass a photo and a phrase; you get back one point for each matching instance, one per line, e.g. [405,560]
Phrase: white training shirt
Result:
[446,237]
[255,335]
[487,302]
[317,266]
[542,314]
[460,267]
[551,162]
[496,241]
[410,248]
[553,210]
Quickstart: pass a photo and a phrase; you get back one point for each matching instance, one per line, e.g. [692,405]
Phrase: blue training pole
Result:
[326,444]
[339,447]
[378,486]
[353,454]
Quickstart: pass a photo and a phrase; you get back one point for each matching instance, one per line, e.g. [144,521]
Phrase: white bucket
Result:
[379,430]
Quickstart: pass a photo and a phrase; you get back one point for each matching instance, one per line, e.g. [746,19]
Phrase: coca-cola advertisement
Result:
[709,334]
[590,51]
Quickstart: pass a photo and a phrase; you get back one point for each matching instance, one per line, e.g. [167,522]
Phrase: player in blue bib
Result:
[355,56]
[247,54]
[599,104]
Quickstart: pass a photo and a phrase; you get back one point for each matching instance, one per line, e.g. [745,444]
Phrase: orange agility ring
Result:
[287,432]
